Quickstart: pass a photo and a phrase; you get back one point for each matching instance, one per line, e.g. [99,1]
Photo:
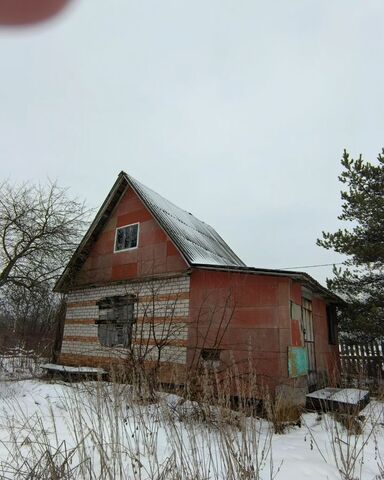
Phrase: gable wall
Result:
[155,253]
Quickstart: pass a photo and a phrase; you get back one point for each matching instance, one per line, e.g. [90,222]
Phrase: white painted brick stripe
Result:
[168,353]
[145,288]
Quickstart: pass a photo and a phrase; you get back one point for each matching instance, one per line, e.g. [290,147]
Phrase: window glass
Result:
[126,237]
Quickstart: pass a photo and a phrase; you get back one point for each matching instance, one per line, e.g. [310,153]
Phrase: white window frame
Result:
[130,248]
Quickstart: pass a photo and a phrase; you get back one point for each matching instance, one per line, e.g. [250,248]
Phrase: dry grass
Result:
[282,413]
[349,433]
[115,430]
[116,435]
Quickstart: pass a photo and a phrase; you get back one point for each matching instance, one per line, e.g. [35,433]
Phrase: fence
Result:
[18,363]
[362,363]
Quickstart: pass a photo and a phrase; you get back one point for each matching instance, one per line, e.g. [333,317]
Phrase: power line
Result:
[313,266]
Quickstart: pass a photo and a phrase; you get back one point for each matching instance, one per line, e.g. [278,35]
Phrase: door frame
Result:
[309,339]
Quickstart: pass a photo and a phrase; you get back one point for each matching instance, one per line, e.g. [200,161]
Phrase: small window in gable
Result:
[127,237]
[116,318]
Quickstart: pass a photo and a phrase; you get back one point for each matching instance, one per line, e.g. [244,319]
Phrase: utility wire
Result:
[313,266]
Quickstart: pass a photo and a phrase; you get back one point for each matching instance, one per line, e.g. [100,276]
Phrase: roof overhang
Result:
[304,278]
[82,251]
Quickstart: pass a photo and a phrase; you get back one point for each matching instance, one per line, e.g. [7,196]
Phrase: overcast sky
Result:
[237,111]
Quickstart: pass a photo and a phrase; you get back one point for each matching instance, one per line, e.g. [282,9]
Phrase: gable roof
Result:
[198,242]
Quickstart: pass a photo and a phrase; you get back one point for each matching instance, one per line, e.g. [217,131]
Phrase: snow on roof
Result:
[198,242]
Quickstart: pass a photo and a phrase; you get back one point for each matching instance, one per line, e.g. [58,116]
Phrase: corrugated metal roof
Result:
[197,241]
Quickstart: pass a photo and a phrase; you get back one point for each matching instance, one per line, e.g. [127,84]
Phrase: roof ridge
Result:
[205,245]
[176,206]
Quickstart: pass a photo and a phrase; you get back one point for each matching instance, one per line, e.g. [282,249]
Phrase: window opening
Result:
[126,237]
[332,324]
[210,354]
[116,318]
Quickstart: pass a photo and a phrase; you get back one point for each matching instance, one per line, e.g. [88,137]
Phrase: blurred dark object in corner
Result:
[25,12]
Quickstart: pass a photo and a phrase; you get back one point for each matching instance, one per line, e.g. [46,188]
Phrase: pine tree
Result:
[361,281]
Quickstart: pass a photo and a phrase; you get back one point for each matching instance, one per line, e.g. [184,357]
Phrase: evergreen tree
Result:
[361,281]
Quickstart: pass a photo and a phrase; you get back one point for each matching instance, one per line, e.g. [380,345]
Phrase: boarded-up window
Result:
[116,317]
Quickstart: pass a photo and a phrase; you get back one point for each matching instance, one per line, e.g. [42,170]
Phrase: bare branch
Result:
[40,227]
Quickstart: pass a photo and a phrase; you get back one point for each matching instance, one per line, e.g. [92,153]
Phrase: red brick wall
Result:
[155,253]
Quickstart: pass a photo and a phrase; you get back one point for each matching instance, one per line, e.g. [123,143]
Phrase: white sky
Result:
[237,111]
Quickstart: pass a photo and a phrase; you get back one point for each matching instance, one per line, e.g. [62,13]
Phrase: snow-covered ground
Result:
[99,430]
[96,430]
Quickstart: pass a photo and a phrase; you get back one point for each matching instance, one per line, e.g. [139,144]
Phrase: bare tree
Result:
[29,316]
[150,334]
[39,229]
[40,226]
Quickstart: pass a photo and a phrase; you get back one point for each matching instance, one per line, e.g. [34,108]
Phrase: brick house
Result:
[152,281]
